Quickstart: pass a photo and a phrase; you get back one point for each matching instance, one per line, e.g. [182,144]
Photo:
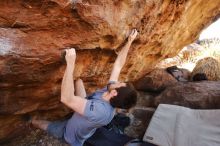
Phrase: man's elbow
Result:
[64,100]
[68,101]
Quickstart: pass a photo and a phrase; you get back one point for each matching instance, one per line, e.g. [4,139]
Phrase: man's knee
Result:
[79,83]
[42,124]
[79,80]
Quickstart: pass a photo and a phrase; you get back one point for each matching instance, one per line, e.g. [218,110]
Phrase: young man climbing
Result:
[97,109]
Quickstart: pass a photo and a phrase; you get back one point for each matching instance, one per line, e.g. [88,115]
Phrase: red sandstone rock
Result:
[197,95]
[33,33]
[155,81]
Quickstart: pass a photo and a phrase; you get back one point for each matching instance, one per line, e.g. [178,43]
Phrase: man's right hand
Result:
[70,57]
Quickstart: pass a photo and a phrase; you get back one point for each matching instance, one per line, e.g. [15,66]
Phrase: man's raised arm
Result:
[67,88]
[121,58]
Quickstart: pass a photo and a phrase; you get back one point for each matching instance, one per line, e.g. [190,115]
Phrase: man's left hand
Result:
[132,35]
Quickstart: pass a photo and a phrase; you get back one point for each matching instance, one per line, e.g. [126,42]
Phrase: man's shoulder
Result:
[103,106]
[98,110]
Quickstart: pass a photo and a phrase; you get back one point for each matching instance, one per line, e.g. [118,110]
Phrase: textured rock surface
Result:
[208,66]
[140,119]
[33,33]
[197,95]
[186,73]
[146,99]
[155,81]
[140,115]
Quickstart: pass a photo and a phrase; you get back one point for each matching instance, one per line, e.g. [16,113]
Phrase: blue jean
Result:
[57,129]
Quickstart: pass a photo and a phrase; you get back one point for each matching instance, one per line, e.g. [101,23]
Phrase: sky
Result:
[212,31]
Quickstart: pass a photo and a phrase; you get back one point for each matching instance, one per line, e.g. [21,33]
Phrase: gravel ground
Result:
[36,137]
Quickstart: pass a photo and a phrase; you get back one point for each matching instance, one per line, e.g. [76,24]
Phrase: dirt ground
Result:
[36,137]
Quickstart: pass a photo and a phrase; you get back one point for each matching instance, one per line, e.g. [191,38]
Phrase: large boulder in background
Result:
[155,81]
[33,33]
[196,95]
[208,66]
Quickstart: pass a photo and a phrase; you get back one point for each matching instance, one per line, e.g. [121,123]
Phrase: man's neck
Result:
[106,96]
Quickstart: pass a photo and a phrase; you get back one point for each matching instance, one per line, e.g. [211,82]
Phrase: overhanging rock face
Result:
[33,33]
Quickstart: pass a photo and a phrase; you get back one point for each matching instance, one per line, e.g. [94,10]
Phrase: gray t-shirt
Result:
[98,113]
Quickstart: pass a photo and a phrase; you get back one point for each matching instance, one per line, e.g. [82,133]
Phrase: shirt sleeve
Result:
[95,111]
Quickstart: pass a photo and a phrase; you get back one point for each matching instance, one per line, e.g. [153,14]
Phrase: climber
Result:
[95,110]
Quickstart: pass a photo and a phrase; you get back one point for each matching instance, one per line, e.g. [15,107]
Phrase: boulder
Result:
[146,99]
[186,73]
[155,81]
[208,66]
[196,95]
[140,119]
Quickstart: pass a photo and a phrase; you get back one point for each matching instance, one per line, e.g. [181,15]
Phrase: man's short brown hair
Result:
[126,97]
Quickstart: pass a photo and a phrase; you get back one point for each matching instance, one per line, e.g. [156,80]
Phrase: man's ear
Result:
[113,93]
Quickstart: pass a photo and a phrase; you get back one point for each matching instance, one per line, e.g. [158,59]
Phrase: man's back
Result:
[98,112]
